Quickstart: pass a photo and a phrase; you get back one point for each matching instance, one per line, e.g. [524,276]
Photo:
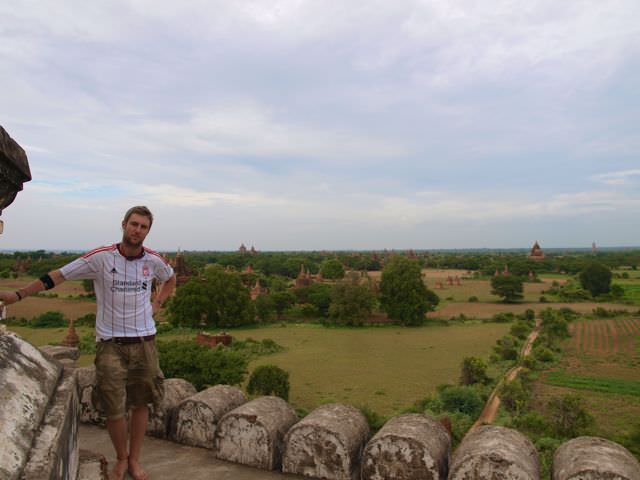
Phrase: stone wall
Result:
[39,414]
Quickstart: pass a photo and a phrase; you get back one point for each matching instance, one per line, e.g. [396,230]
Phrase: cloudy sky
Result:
[296,124]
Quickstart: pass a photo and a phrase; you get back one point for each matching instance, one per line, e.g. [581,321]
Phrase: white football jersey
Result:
[123,289]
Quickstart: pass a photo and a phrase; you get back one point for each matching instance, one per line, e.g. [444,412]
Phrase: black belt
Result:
[128,340]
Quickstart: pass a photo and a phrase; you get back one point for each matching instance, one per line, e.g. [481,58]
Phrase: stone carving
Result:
[327,443]
[253,434]
[194,420]
[411,446]
[175,391]
[495,452]
[594,458]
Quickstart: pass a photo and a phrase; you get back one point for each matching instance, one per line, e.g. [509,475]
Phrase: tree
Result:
[351,302]
[269,380]
[332,269]
[282,301]
[474,370]
[596,278]
[509,287]
[403,294]
[217,299]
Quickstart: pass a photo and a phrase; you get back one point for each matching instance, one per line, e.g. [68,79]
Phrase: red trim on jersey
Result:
[98,250]
[153,252]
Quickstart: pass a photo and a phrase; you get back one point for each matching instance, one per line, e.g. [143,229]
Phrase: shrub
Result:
[269,380]
[543,354]
[473,298]
[201,365]
[514,396]
[568,416]
[49,319]
[474,370]
[531,422]
[87,345]
[506,348]
[88,320]
[462,399]
[503,317]
[374,419]
[520,330]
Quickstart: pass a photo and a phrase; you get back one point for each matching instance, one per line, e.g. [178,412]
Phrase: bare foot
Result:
[119,469]
[136,471]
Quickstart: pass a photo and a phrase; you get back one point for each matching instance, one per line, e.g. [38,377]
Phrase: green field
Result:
[604,385]
[385,368]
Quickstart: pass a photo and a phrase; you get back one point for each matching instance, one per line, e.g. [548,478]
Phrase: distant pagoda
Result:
[536,252]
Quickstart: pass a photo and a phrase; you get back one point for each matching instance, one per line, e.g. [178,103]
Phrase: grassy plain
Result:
[386,368]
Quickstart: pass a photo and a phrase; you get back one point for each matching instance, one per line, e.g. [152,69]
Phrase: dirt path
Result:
[490,410]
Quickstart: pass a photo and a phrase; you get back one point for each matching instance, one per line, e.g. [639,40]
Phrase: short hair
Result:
[139,210]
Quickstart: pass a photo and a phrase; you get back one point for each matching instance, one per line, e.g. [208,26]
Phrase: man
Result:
[128,375]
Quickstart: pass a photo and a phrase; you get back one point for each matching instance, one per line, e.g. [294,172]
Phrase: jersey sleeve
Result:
[80,268]
[163,271]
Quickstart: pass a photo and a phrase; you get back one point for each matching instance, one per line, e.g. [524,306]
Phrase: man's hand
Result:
[9,297]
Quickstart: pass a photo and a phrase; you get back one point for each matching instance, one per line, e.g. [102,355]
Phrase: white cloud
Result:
[624,177]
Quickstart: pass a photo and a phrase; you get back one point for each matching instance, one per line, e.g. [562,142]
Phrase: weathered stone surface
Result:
[86,379]
[327,443]
[28,380]
[93,466]
[194,420]
[408,447]
[594,458]
[175,391]
[61,353]
[495,452]
[253,434]
[54,453]
[14,169]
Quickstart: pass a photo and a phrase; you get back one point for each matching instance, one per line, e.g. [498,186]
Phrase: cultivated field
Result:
[601,364]
[67,300]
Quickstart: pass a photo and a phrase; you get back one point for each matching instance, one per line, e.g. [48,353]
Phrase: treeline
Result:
[288,264]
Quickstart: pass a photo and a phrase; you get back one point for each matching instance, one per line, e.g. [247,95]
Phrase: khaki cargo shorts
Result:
[127,376]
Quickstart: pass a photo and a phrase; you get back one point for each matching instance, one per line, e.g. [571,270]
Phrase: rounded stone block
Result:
[327,443]
[594,458]
[195,419]
[175,391]
[495,452]
[253,434]
[411,446]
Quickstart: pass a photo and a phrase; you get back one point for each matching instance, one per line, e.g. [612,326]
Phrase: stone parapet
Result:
[253,434]
[327,443]
[175,391]
[38,418]
[195,419]
[407,447]
[54,454]
[594,458]
[495,452]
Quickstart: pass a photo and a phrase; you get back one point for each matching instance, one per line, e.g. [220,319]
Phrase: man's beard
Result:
[130,243]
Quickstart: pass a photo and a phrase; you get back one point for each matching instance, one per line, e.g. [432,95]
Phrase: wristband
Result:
[19,295]
[47,281]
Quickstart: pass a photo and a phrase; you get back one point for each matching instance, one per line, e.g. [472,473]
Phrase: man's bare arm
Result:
[165,292]
[52,279]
